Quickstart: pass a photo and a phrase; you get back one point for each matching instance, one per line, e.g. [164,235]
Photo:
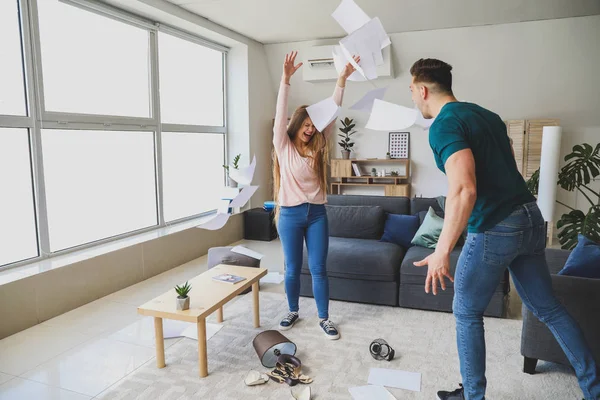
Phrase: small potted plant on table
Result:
[183,300]
[234,165]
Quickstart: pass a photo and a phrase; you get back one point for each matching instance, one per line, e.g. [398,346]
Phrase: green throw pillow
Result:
[429,231]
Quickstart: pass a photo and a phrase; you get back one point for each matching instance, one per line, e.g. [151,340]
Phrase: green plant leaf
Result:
[576,222]
[351,126]
[583,165]
[534,182]
[350,144]
[347,121]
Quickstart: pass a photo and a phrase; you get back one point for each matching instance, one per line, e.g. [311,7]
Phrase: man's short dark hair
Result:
[432,71]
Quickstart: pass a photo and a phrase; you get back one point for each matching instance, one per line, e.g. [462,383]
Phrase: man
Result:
[505,230]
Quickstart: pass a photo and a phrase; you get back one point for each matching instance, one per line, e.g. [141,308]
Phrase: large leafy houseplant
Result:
[583,165]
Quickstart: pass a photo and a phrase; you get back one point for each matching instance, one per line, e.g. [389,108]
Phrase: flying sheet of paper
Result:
[323,113]
[272,277]
[395,378]
[366,42]
[366,102]
[247,252]
[215,223]
[229,193]
[370,392]
[390,117]
[242,198]
[422,122]
[243,176]
[350,16]
[339,61]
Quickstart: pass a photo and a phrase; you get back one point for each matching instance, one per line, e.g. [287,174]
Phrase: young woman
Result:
[300,186]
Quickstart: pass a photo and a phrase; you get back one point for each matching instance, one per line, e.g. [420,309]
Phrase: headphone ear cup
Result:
[391,355]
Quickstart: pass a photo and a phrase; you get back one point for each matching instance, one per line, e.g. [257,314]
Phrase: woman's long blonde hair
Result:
[318,153]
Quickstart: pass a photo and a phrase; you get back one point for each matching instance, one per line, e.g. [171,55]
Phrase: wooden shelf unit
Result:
[342,174]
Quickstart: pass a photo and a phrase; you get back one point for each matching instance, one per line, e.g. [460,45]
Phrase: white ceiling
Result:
[277,21]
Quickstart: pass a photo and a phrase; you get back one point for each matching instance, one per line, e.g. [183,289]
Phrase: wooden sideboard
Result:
[343,175]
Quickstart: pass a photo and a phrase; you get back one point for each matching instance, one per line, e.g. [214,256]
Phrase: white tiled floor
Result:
[79,354]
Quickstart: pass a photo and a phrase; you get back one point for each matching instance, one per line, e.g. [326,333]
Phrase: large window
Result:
[192,173]
[12,92]
[191,82]
[18,230]
[98,184]
[93,64]
[109,125]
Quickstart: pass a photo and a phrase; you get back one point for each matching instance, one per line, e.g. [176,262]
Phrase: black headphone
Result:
[380,350]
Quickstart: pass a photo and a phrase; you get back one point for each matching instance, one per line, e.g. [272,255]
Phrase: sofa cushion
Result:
[584,260]
[429,231]
[359,222]
[423,214]
[390,204]
[363,259]
[418,204]
[400,229]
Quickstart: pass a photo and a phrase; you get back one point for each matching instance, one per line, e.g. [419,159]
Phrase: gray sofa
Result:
[362,269]
[581,297]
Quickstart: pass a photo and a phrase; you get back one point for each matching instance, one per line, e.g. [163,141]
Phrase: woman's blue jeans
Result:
[305,222]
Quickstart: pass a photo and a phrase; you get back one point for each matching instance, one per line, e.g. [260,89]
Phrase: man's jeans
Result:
[516,243]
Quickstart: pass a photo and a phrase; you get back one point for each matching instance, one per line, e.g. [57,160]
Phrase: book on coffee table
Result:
[228,278]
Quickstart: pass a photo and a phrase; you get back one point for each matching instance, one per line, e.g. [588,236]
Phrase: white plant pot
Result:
[183,304]
[345,154]
[232,183]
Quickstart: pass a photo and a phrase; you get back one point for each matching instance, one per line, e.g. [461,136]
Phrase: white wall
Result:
[523,70]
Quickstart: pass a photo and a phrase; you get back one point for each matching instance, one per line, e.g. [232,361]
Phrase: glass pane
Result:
[93,64]
[191,82]
[12,84]
[18,235]
[98,184]
[193,174]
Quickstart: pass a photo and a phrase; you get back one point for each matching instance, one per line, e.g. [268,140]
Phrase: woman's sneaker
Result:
[329,328]
[288,321]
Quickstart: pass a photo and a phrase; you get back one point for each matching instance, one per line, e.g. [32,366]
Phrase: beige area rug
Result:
[424,342]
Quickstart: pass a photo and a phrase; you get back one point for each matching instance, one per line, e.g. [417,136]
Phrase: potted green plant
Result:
[183,300]
[583,164]
[373,172]
[387,155]
[345,143]
[234,165]
[394,173]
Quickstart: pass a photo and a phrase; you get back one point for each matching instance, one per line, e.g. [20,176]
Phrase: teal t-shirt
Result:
[500,186]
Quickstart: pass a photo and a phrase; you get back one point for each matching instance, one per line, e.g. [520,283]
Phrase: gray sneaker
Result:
[330,330]
[288,321]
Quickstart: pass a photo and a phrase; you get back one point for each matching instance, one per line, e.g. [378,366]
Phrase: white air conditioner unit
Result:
[319,67]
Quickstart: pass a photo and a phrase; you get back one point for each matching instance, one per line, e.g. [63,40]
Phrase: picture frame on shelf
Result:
[399,145]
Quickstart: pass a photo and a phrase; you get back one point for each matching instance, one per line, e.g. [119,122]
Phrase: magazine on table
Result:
[229,278]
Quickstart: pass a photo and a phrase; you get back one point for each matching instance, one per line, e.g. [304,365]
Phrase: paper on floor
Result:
[242,198]
[247,252]
[390,117]
[243,176]
[395,378]
[272,277]
[173,329]
[350,16]
[370,392]
[366,102]
[215,223]
[323,113]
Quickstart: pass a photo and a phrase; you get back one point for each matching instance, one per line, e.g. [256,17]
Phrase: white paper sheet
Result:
[323,113]
[229,193]
[370,392]
[272,277]
[422,122]
[390,117]
[243,176]
[243,197]
[350,16]
[173,329]
[395,378]
[339,60]
[247,252]
[215,223]
[366,102]
[366,42]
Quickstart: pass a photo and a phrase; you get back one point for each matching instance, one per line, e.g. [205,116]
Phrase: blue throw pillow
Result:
[584,260]
[400,229]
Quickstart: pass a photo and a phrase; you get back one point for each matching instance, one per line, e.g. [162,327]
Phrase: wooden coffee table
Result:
[206,297]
